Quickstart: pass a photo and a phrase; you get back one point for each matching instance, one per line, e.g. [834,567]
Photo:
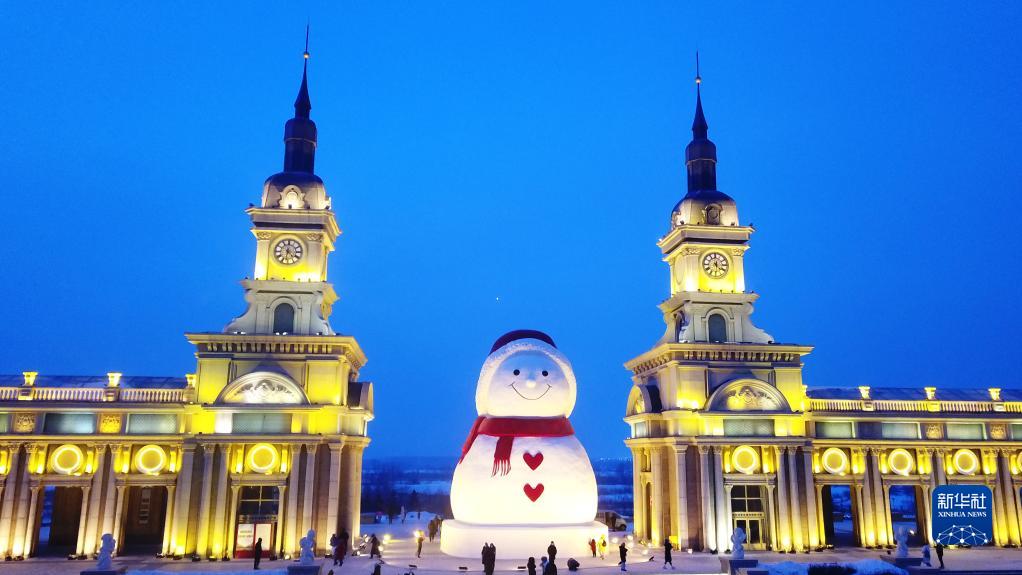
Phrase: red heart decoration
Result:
[533,461]
[533,493]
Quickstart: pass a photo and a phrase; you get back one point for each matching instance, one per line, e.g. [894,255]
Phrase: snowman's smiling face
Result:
[530,380]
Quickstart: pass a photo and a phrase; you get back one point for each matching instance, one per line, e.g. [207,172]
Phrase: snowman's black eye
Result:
[545,373]
[517,372]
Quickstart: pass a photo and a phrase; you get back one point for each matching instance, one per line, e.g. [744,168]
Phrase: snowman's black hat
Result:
[522,334]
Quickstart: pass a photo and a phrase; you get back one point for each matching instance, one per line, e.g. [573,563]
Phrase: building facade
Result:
[724,434]
[264,439]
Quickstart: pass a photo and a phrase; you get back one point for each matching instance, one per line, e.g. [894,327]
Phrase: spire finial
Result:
[699,79]
[302,104]
[699,126]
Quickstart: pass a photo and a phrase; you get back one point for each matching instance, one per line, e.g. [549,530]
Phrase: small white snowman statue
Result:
[523,480]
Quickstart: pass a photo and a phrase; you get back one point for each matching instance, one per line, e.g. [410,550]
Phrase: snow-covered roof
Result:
[913,393]
[126,381]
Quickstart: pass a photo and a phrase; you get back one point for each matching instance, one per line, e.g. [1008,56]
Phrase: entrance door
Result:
[747,512]
[839,516]
[257,519]
[144,519]
[753,527]
[58,515]
[906,512]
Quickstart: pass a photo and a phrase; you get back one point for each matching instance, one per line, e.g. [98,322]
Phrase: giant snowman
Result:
[523,479]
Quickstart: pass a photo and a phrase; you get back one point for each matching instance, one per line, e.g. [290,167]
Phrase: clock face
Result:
[288,251]
[715,265]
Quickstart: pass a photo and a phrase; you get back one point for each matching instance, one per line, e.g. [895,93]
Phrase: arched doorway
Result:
[145,512]
[907,512]
[840,522]
[58,512]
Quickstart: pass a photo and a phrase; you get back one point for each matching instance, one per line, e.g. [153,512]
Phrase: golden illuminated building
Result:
[264,440]
[724,433]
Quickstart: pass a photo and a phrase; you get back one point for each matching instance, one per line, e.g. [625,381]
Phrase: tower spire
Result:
[699,126]
[300,131]
[701,153]
[302,103]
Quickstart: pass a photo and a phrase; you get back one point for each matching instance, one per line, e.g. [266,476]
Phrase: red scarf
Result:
[506,429]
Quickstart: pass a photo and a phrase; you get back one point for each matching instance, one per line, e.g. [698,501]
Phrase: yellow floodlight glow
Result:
[67,459]
[966,462]
[151,459]
[745,459]
[262,458]
[835,461]
[901,461]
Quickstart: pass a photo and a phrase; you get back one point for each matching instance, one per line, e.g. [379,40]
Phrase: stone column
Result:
[179,533]
[168,521]
[880,500]
[812,502]
[869,523]
[939,473]
[928,514]
[706,496]
[83,520]
[112,495]
[1011,512]
[202,539]
[232,520]
[95,501]
[7,509]
[291,515]
[334,494]
[638,495]
[119,515]
[721,504]
[784,542]
[885,511]
[219,546]
[278,545]
[656,468]
[21,510]
[796,503]
[728,517]
[30,526]
[310,487]
[353,479]
[771,510]
[821,526]
[861,510]
[681,500]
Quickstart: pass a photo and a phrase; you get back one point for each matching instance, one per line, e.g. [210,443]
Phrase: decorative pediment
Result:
[748,395]
[263,387]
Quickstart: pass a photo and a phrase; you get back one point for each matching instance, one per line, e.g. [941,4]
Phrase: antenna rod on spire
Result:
[699,79]
[306,55]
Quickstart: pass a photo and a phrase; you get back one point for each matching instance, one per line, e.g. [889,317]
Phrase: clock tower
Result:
[295,230]
[705,249]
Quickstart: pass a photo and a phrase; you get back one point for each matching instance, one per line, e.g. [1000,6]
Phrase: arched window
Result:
[713,215]
[284,318]
[717,326]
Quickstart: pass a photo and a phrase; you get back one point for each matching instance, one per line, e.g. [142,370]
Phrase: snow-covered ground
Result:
[399,559]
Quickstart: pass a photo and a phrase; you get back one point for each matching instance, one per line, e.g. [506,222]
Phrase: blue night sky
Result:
[529,152]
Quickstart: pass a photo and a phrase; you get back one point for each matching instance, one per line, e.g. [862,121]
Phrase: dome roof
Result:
[295,190]
[705,207]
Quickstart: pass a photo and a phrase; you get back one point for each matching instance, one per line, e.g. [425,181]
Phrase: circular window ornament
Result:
[715,265]
[150,459]
[262,458]
[288,251]
[835,461]
[745,459]
[900,461]
[67,459]
[966,462]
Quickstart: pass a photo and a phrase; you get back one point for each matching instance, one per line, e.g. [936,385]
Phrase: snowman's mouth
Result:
[526,397]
